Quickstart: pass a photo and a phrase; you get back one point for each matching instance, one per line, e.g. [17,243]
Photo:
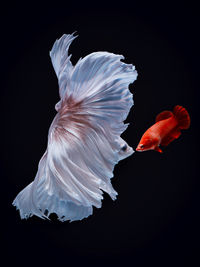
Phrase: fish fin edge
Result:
[158,149]
[170,137]
[164,115]
[182,116]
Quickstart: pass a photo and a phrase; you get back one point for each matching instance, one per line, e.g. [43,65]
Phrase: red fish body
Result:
[168,127]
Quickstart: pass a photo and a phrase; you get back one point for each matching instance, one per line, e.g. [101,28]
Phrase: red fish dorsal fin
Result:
[164,115]
[174,134]
[182,117]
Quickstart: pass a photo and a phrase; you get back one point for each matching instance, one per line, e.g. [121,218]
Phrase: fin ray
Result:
[182,117]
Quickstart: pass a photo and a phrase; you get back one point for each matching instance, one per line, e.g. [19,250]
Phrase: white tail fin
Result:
[84,142]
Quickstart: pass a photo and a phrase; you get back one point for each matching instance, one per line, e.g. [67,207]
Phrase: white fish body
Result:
[84,142]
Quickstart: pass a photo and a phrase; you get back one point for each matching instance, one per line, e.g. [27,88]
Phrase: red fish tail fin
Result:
[182,117]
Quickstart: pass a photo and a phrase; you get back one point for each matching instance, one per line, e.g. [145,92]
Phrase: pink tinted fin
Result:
[182,117]
[158,149]
[170,137]
[164,115]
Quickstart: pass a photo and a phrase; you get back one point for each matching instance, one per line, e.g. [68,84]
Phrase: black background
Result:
[155,219]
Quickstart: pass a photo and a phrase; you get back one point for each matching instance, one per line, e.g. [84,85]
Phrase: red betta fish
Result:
[168,127]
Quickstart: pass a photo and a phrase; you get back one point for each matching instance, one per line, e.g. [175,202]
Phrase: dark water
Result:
[155,220]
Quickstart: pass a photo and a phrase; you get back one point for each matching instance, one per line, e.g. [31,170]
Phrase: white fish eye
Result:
[141,146]
[124,148]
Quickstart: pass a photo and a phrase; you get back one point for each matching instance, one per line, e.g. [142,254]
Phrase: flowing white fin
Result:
[84,142]
[61,60]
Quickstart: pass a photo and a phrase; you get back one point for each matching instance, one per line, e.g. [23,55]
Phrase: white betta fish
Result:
[84,142]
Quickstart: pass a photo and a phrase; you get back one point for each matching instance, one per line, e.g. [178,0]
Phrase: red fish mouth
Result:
[140,148]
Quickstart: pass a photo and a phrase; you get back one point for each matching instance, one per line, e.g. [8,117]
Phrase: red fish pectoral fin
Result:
[170,137]
[164,115]
[158,149]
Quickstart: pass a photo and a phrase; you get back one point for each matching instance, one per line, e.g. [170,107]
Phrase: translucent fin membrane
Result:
[84,142]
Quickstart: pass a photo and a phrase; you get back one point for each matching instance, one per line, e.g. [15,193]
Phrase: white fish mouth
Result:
[124,154]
